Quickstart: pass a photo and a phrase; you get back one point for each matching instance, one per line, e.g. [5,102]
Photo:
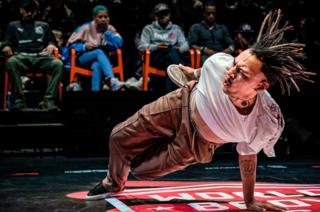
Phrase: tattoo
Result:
[248,167]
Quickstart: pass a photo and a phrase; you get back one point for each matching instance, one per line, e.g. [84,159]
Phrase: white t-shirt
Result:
[259,130]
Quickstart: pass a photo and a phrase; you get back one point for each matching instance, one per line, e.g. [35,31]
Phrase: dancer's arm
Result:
[248,166]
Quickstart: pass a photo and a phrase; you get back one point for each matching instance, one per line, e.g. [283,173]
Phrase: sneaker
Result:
[131,80]
[25,82]
[19,105]
[99,192]
[137,85]
[48,105]
[74,86]
[105,87]
[116,84]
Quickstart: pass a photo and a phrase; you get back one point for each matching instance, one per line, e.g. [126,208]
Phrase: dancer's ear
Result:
[263,85]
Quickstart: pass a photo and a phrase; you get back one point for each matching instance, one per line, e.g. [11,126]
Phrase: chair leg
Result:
[5,90]
[144,79]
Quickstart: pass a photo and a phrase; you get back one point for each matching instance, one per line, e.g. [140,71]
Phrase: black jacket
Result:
[29,37]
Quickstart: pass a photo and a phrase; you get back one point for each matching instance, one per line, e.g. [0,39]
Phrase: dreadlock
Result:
[280,60]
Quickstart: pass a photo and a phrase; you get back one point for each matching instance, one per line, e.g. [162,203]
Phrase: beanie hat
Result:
[97,9]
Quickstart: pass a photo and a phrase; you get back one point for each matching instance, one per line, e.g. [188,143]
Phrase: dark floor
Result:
[59,183]
[51,159]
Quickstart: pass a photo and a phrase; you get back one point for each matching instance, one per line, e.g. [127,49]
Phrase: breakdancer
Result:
[229,103]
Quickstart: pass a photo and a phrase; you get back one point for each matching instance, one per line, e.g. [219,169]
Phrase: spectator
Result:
[31,44]
[92,42]
[165,40]
[244,38]
[208,36]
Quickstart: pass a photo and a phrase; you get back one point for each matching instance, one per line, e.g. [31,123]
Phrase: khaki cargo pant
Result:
[157,140]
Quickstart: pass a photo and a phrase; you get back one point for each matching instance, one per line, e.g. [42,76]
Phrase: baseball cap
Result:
[246,28]
[160,8]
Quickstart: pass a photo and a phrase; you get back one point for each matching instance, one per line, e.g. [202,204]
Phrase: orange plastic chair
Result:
[197,59]
[147,70]
[32,74]
[74,69]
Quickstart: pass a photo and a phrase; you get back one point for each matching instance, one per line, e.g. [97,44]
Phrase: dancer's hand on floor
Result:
[264,206]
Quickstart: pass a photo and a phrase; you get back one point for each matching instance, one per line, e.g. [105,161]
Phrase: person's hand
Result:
[49,49]
[7,51]
[188,71]
[162,46]
[90,46]
[263,206]
[208,51]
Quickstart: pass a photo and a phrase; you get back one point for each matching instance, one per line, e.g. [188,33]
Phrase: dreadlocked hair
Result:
[280,60]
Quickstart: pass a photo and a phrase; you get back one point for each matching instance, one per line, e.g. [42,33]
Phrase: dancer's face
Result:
[245,78]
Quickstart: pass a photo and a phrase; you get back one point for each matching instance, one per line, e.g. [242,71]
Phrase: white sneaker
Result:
[137,85]
[105,87]
[74,86]
[116,84]
[25,80]
[131,80]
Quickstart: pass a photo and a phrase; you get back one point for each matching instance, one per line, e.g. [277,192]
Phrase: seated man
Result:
[165,40]
[208,36]
[31,44]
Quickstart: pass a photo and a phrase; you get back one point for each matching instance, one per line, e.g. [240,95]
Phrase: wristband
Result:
[231,47]
[195,74]
[202,49]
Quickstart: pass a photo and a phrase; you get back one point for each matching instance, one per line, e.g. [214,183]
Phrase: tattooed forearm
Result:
[248,164]
[247,167]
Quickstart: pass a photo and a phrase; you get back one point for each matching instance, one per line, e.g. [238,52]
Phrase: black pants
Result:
[161,59]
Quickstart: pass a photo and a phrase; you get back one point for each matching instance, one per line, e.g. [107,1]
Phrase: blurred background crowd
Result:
[237,20]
